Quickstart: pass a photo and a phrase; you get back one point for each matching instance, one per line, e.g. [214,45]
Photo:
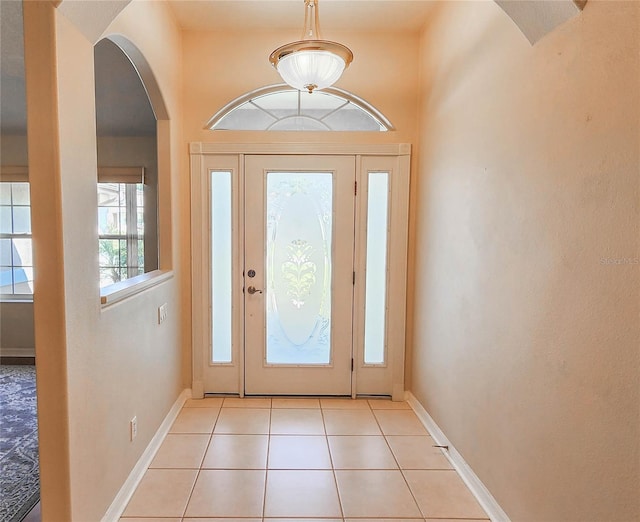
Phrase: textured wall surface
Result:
[526,337]
[97,366]
[16,328]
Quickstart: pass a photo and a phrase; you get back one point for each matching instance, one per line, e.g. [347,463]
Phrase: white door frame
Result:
[332,377]
[206,157]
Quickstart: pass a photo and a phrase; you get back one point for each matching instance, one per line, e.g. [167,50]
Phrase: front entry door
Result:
[298,274]
[298,283]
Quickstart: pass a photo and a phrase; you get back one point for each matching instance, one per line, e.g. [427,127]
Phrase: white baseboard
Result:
[478,489]
[121,500]
[17,352]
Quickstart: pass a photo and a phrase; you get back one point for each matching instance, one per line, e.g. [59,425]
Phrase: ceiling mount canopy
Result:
[311,63]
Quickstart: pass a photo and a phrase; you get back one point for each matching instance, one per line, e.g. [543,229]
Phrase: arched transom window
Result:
[281,108]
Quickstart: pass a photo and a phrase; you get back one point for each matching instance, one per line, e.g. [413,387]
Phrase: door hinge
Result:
[354,277]
[352,364]
[355,188]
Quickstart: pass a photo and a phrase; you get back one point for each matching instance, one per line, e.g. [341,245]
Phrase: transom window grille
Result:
[16,258]
[281,108]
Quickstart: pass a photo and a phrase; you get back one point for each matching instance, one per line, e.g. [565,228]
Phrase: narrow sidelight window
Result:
[376,268]
[221,271]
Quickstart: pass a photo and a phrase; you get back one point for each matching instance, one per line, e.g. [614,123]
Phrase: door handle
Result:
[253,290]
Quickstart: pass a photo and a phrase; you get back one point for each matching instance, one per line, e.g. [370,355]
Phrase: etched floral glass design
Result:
[298,267]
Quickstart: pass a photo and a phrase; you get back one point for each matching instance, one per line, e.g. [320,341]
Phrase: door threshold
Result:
[237,396]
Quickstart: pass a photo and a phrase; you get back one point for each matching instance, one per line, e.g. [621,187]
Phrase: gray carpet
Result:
[19,466]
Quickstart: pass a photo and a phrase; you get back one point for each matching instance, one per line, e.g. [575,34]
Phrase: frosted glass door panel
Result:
[298,267]
[298,300]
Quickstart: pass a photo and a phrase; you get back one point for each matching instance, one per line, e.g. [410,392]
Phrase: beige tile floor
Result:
[313,460]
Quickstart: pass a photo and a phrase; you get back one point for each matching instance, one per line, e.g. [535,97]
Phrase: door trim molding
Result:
[334,259]
[333,149]
[230,156]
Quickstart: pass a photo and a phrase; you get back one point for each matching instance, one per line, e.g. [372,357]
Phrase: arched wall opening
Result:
[127,169]
[160,216]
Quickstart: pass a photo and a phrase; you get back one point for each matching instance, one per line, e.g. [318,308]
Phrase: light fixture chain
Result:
[311,29]
[311,63]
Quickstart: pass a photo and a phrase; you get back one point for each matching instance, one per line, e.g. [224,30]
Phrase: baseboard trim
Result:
[478,489]
[17,352]
[28,361]
[121,500]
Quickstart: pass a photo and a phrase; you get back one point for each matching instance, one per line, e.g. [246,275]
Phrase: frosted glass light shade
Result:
[311,63]
[310,70]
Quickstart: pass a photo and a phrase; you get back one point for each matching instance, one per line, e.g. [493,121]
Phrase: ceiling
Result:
[339,15]
[121,103]
[124,116]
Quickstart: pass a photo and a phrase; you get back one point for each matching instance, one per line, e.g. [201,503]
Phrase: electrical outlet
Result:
[163,311]
[134,427]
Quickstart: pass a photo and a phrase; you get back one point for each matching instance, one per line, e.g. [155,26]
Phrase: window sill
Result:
[117,292]
[25,299]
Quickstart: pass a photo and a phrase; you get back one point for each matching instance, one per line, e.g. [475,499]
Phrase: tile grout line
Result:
[331,458]
[266,464]
[333,470]
[210,436]
[193,487]
[415,500]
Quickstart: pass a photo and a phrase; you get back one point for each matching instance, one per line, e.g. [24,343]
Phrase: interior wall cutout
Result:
[128,188]
[163,154]
[281,108]
[146,75]
[132,127]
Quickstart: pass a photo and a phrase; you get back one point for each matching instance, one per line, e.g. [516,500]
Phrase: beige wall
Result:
[526,342]
[16,329]
[97,367]
[13,150]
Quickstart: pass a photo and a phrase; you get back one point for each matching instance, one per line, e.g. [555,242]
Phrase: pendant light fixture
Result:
[311,63]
